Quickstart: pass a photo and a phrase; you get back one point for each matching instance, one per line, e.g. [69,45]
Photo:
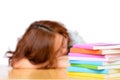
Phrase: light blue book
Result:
[85,62]
[98,63]
[79,69]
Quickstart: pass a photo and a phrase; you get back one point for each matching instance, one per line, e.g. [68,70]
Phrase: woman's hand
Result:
[63,62]
[24,63]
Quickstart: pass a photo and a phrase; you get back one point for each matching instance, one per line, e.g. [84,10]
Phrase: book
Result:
[96,46]
[96,67]
[97,52]
[76,77]
[93,75]
[109,57]
[86,58]
[112,55]
[99,63]
[87,70]
[85,55]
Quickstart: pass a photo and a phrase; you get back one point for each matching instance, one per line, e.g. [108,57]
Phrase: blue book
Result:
[79,69]
[98,63]
[85,62]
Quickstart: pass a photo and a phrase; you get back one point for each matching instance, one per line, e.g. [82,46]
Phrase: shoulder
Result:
[76,37]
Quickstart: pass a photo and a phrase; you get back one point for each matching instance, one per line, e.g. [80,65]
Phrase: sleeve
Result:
[76,38]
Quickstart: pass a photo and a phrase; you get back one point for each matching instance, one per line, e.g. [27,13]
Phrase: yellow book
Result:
[94,75]
[73,77]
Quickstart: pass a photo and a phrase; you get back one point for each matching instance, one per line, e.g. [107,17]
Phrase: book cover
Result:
[96,46]
[76,77]
[97,52]
[85,55]
[87,70]
[96,67]
[86,58]
[112,55]
[88,75]
[106,57]
[93,75]
[98,63]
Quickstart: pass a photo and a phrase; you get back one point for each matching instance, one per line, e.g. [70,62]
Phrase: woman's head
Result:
[42,42]
[62,35]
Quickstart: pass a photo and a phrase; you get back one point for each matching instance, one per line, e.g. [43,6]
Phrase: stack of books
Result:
[98,60]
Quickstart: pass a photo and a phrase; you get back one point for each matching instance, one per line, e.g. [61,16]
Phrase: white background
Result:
[95,20]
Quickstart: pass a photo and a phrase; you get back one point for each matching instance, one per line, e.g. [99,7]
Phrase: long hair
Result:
[57,27]
[37,43]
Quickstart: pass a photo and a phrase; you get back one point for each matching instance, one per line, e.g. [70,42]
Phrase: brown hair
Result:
[37,44]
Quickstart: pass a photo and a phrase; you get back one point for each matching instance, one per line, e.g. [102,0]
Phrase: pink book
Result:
[91,57]
[94,55]
[96,46]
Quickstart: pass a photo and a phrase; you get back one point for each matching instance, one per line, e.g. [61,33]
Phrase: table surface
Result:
[7,73]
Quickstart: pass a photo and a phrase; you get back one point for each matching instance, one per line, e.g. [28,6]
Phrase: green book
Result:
[95,67]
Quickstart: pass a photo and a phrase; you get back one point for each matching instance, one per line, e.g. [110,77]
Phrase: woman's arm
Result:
[63,62]
[24,63]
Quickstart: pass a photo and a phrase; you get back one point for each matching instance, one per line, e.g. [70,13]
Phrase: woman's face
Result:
[61,45]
